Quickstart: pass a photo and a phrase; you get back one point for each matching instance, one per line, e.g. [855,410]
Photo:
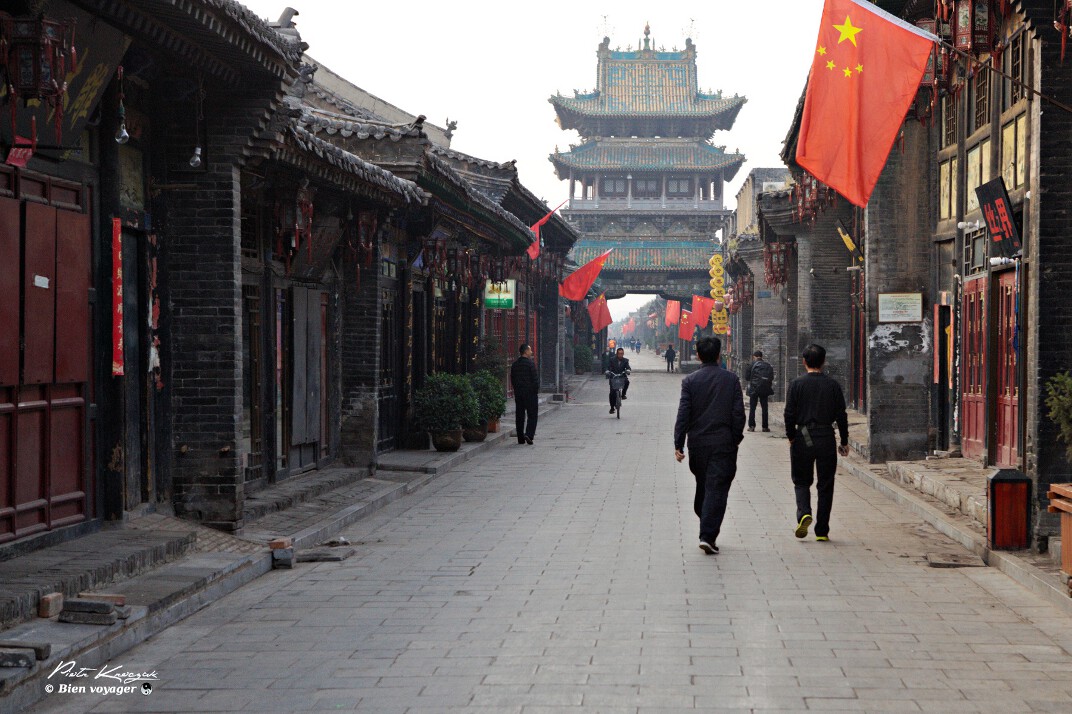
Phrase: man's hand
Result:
[679,455]
[843,450]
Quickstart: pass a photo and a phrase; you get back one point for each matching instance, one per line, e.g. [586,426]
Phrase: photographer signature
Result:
[73,671]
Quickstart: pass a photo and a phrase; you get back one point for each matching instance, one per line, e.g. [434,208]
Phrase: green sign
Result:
[499,295]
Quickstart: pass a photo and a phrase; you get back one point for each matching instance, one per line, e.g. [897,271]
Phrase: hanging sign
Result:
[117,297]
[499,294]
[997,209]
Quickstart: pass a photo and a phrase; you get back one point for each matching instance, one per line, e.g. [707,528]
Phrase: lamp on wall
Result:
[970,225]
[121,135]
[199,116]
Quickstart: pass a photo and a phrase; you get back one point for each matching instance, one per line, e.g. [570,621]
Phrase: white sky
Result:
[491,66]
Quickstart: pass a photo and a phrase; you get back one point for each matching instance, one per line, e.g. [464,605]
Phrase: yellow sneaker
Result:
[822,538]
[802,527]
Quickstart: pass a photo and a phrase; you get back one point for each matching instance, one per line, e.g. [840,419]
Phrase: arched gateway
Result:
[646,180]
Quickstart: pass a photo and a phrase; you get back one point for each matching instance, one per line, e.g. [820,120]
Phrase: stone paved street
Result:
[565,576]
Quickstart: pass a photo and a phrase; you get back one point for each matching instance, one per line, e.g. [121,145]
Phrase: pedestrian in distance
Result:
[813,403]
[670,355]
[526,382]
[760,378]
[618,364]
[710,417]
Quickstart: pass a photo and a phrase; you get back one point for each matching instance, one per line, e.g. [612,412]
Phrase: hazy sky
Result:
[491,66]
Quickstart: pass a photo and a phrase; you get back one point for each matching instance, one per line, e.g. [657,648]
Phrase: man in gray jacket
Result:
[710,416]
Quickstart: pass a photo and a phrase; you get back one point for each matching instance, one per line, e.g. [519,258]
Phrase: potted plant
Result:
[1059,402]
[582,359]
[443,406]
[490,357]
[491,395]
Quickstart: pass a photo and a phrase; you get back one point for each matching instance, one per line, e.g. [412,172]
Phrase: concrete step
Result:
[298,489]
[157,600]
[112,554]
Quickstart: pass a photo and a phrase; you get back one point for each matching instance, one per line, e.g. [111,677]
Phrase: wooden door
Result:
[43,380]
[973,370]
[1007,383]
[307,340]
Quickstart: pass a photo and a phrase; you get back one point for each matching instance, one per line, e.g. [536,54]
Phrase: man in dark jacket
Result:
[671,355]
[711,416]
[619,364]
[813,403]
[760,378]
[526,382]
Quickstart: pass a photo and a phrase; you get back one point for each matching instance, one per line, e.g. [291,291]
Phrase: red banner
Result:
[686,328]
[117,297]
[600,313]
[701,310]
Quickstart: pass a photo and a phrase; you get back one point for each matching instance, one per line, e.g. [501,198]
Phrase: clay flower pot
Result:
[478,433]
[447,440]
[493,426]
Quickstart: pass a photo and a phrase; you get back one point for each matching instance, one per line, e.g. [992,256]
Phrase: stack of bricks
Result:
[95,609]
[282,552]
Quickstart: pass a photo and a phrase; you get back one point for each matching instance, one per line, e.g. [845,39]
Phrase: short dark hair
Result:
[814,356]
[620,349]
[758,353]
[708,348]
[523,348]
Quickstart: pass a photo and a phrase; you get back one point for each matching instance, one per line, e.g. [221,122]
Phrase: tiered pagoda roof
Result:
[648,155]
[647,92]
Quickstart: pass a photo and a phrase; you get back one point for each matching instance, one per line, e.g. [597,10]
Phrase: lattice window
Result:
[981,98]
[975,252]
[611,186]
[646,188]
[679,187]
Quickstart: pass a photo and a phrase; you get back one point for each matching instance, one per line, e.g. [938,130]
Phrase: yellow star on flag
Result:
[822,50]
[859,68]
[830,64]
[848,72]
[848,32]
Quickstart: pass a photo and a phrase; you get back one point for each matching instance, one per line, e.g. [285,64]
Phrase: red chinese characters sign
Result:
[117,297]
[997,210]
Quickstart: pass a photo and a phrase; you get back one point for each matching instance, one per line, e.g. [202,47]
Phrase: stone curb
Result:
[1047,587]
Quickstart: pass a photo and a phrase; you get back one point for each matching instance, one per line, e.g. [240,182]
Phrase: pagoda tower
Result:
[646,179]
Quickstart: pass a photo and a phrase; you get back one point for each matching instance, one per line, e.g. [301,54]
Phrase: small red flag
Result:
[534,249]
[685,328]
[673,312]
[866,73]
[599,311]
[575,287]
[701,310]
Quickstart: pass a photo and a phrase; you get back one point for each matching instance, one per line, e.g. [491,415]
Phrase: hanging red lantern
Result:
[973,26]
[35,55]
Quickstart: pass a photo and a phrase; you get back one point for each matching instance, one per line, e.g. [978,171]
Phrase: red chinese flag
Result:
[701,309]
[673,312]
[685,328]
[630,327]
[600,313]
[534,249]
[865,74]
[575,287]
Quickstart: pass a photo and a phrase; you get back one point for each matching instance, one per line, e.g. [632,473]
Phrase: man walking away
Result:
[760,377]
[670,356]
[619,364]
[526,382]
[711,416]
[813,403]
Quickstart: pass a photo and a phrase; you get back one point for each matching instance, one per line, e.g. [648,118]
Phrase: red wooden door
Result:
[973,370]
[42,391]
[1007,433]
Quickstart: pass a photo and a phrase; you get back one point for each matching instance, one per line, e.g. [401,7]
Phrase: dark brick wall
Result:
[202,352]
[1049,271]
[768,324]
[898,259]
[547,296]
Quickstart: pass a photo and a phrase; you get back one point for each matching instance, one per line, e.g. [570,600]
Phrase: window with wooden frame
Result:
[977,173]
[1014,64]
[678,187]
[947,189]
[975,253]
[647,188]
[612,186]
[1013,152]
[980,89]
[949,120]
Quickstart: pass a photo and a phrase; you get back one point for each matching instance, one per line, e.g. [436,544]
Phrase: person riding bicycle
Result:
[618,364]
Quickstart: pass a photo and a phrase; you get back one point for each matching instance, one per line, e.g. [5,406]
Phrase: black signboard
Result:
[997,210]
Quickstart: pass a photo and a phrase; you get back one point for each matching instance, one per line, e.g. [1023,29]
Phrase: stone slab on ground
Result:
[325,555]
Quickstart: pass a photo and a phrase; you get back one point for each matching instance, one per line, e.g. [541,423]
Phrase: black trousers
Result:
[714,471]
[818,462]
[669,365]
[625,389]
[527,409]
[752,410]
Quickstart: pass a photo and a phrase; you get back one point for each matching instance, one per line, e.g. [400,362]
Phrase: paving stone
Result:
[88,618]
[87,605]
[50,605]
[12,657]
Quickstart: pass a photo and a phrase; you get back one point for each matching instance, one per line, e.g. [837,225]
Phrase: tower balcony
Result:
[690,204]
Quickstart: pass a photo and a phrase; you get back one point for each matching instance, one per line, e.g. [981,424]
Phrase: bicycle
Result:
[617,383]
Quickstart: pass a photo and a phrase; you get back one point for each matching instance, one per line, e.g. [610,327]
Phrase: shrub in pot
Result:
[443,406]
[582,359]
[491,396]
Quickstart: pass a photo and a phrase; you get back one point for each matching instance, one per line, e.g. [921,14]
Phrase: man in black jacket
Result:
[619,364]
[526,382]
[813,403]
[760,378]
[711,416]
